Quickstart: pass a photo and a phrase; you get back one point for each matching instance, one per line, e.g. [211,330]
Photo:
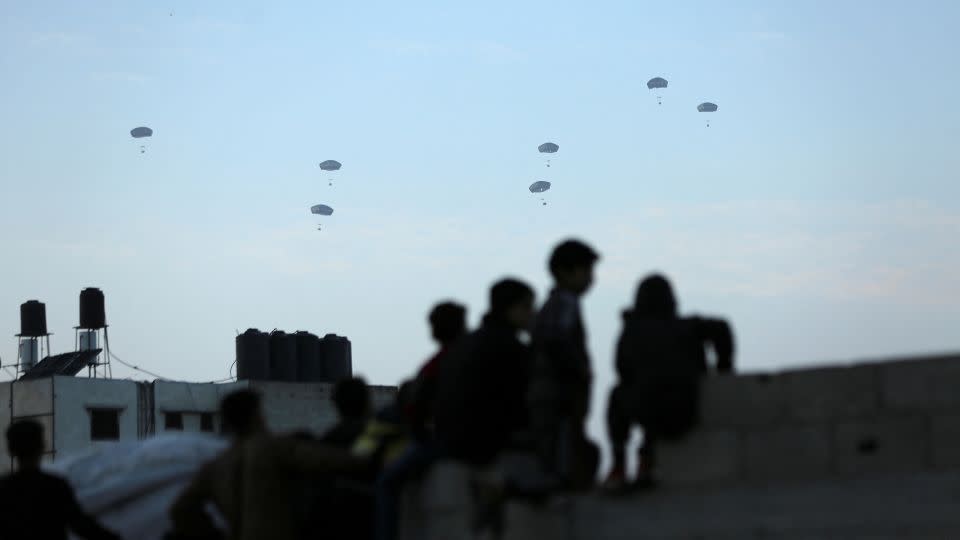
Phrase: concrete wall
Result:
[62,405]
[862,451]
[192,399]
[73,400]
[5,462]
[871,418]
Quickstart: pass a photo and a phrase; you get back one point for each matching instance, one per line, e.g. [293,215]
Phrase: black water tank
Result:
[253,355]
[336,357]
[92,313]
[283,356]
[33,319]
[309,362]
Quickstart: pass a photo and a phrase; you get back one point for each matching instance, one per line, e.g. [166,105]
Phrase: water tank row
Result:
[298,357]
[33,314]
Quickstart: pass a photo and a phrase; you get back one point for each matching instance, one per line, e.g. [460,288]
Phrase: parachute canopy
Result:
[548,148]
[140,132]
[707,107]
[330,165]
[656,82]
[539,186]
[321,210]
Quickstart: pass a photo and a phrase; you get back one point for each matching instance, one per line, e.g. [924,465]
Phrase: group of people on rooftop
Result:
[515,390]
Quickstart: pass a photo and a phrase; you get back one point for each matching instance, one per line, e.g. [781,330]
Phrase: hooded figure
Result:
[660,360]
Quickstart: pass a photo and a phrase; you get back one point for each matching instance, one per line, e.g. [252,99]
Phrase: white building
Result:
[79,413]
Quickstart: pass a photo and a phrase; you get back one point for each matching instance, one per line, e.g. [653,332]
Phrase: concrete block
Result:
[815,395]
[786,454]
[745,401]
[445,487]
[946,441]
[882,445]
[553,520]
[926,384]
[705,457]
[32,397]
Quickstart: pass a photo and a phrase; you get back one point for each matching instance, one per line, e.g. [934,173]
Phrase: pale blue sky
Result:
[819,212]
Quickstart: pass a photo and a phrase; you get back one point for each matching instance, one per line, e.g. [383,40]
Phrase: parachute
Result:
[129,486]
[707,107]
[321,210]
[330,165]
[658,83]
[140,133]
[548,148]
[540,186]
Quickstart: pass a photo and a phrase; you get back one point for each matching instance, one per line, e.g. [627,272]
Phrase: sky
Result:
[819,213]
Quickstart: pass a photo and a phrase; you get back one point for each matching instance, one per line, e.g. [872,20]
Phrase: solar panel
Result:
[68,364]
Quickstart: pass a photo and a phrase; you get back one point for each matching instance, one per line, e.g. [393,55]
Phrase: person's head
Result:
[655,298]
[448,321]
[241,414]
[25,442]
[571,265]
[352,398]
[511,302]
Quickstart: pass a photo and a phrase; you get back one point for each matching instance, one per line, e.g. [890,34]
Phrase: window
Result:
[206,422]
[104,424]
[173,421]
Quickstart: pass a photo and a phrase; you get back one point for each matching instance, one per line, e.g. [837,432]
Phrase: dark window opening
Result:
[173,421]
[206,422]
[104,424]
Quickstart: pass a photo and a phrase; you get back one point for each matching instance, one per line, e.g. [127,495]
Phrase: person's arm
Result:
[82,523]
[717,333]
[316,457]
[188,512]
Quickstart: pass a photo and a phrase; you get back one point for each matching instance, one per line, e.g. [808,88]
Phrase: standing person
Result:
[448,323]
[252,484]
[660,361]
[560,390]
[481,397]
[36,505]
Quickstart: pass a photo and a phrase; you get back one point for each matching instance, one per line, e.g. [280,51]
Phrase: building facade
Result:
[78,414]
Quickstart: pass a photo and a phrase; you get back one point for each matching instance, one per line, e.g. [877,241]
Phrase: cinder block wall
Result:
[872,418]
[870,450]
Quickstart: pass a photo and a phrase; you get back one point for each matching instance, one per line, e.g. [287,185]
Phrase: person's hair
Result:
[240,412]
[655,298]
[25,439]
[352,397]
[571,254]
[448,321]
[507,293]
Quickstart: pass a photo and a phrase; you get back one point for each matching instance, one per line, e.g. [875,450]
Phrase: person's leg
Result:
[618,430]
[618,427]
[647,454]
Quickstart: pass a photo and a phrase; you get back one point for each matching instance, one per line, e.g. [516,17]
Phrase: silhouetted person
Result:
[352,400]
[447,325]
[562,377]
[660,360]
[35,505]
[481,399]
[253,484]
[342,505]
